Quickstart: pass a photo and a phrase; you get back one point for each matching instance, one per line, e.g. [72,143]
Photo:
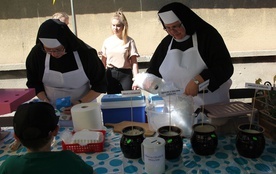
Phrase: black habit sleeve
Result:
[35,64]
[94,69]
[217,58]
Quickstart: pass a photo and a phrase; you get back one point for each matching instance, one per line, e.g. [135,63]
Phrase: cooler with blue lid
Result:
[116,108]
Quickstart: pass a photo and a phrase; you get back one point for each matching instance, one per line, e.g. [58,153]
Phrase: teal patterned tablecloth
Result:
[225,160]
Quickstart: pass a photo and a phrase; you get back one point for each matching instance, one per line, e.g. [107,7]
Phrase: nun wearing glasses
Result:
[191,53]
[62,65]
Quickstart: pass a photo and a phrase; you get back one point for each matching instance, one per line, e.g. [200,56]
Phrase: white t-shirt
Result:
[117,53]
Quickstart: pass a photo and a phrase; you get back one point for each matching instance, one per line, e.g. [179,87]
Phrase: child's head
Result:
[34,124]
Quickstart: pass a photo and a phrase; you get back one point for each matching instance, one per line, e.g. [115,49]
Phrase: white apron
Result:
[180,67]
[74,83]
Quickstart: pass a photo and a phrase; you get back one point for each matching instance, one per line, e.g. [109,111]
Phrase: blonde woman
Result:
[62,16]
[119,56]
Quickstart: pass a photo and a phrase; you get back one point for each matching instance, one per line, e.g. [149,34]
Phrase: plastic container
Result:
[116,108]
[181,115]
[219,114]
[91,147]
[154,100]
[184,121]
[228,116]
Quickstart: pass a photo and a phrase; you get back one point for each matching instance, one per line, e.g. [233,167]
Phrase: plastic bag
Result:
[148,82]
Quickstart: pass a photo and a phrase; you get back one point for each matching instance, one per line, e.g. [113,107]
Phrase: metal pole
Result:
[73,17]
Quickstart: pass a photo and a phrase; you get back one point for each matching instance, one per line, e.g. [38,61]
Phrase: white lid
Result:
[153,142]
[123,104]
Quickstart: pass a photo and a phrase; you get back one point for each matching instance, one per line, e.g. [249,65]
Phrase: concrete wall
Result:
[247,26]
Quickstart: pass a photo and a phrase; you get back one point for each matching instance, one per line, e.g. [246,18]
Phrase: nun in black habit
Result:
[61,65]
[193,52]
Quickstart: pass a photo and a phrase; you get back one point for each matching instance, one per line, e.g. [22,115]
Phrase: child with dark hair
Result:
[35,126]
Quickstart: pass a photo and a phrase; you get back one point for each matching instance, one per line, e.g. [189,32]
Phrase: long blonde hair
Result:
[121,17]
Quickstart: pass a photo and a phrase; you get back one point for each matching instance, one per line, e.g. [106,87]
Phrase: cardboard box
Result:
[116,108]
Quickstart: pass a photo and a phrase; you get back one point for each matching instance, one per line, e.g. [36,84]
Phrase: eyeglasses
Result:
[174,27]
[56,51]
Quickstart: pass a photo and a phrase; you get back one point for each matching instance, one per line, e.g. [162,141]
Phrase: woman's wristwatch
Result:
[196,81]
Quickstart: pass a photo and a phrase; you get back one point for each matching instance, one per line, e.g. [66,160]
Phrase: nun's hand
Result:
[191,89]
[135,87]
[67,110]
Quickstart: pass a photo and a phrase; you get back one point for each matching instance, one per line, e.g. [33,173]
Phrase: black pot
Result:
[250,140]
[204,139]
[173,139]
[131,141]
